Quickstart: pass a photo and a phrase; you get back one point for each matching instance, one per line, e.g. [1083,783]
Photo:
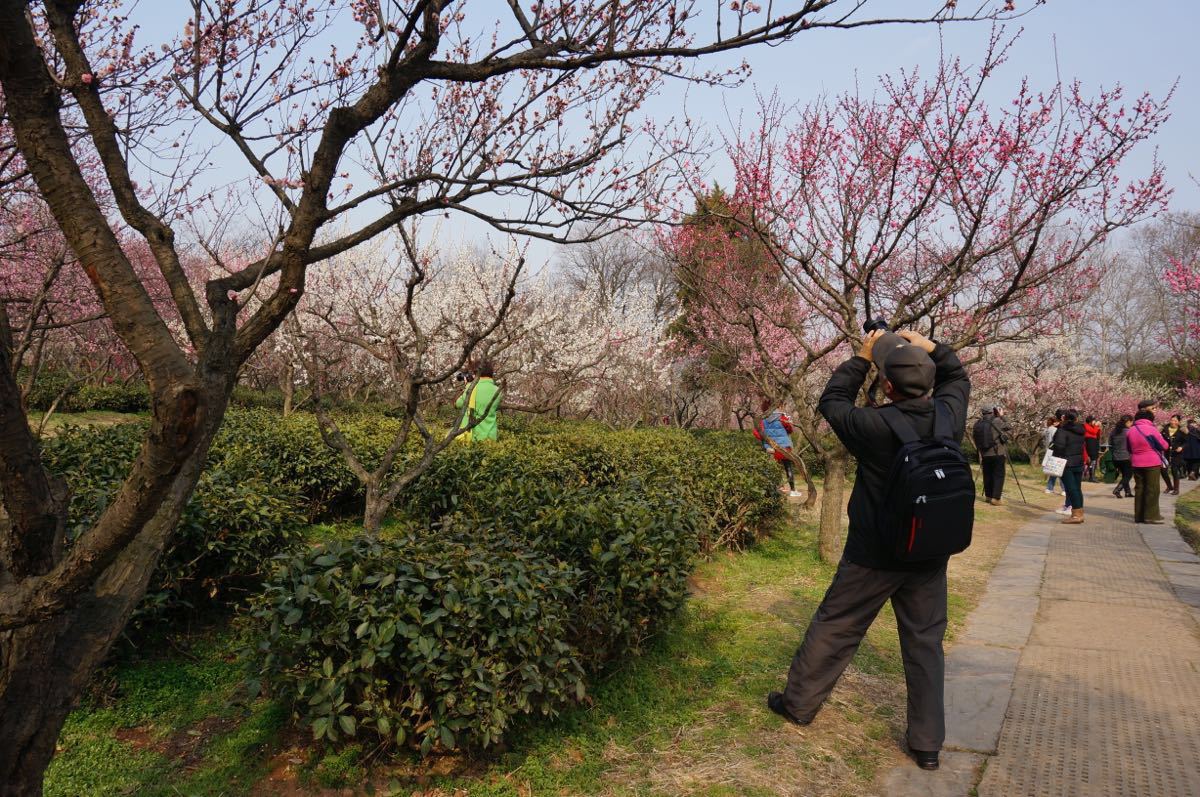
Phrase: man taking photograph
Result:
[990,436]
[875,565]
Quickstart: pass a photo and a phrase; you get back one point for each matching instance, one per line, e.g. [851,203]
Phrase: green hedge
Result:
[434,639]
[108,397]
[228,533]
[443,636]
[624,513]
[724,475]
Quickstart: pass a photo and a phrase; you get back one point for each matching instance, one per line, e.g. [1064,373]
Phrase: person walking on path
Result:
[1068,444]
[1047,439]
[1091,447]
[870,572]
[1147,451]
[990,436]
[1118,444]
[481,401]
[1176,437]
[1191,450]
[776,428]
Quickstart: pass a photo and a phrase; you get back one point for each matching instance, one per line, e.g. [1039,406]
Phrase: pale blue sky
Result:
[1145,46]
[1100,42]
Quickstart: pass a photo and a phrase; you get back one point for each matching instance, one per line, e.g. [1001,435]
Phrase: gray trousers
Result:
[850,606]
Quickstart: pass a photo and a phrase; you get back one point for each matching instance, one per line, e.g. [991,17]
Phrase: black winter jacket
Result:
[1175,441]
[1191,447]
[1068,444]
[874,445]
[1118,443]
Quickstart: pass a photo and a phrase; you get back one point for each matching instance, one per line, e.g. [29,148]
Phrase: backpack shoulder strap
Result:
[900,425]
[942,418]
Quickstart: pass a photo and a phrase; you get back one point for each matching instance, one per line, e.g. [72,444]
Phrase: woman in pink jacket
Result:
[1145,452]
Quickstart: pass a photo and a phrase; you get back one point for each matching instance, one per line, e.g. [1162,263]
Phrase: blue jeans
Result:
[1050,482]
[1071,479]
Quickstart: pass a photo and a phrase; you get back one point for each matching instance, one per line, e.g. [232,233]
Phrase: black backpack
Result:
[928,509]
[984,435]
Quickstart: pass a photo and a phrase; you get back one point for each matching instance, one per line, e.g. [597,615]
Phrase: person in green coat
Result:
[482,401]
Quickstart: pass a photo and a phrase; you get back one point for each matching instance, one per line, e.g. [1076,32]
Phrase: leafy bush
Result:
[251,442]
[434,639]
[107,396]
[724,476]
[443,635]
[631,555]
[228,532]
[110,397]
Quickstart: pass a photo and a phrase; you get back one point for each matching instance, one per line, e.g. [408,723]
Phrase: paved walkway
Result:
[1079,671]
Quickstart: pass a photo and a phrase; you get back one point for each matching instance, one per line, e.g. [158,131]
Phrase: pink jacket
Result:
[1142,454]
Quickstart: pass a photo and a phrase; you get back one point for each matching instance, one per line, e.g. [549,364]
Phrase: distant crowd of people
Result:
[1140,453]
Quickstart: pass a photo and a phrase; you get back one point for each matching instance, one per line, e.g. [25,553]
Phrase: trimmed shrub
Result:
[724,476]
[435,640]
[227,535]
[252,442]
[110,397]
[631,554]
[106,396]
[442,636]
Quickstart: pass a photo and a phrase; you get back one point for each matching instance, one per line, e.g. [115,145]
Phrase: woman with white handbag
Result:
[1068,445]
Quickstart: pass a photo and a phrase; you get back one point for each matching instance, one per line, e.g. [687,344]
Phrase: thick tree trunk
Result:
[832,506]
[810,500]
[45,666]
[287,382]
[377,506]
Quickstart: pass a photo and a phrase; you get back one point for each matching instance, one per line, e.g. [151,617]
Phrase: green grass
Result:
[90,418]
[693,697]
[174,724]
[1187,518]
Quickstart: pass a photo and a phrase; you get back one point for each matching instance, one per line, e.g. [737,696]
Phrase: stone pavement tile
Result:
[1001,619]
[1180,570]
[1030,537]
[1079,625]
[972,660]
[1131,575]
[1189,596]
[978,685]
[1023,579]
[1166,543]
[955,778]
[1171,554]
[1092,723]
[975,709]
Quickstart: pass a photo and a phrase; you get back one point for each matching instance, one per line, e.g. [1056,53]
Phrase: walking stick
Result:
[1020,489]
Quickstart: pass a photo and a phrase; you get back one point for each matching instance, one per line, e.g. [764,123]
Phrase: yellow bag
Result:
[465,437]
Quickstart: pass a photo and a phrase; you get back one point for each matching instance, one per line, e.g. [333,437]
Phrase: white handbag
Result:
[1052,465]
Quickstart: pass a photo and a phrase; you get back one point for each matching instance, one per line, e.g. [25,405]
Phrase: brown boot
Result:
[1075,518]
[996,502]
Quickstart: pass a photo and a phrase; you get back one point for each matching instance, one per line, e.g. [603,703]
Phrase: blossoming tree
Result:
[326,110]
[931,209]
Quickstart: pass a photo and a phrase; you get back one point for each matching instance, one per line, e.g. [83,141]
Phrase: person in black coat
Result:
[1191,450]
[869,573]
[1118,444]
[1176,436]
[1068,444]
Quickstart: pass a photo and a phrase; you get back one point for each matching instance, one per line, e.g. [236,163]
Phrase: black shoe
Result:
[1117,493]
[926,759]
[775,703]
